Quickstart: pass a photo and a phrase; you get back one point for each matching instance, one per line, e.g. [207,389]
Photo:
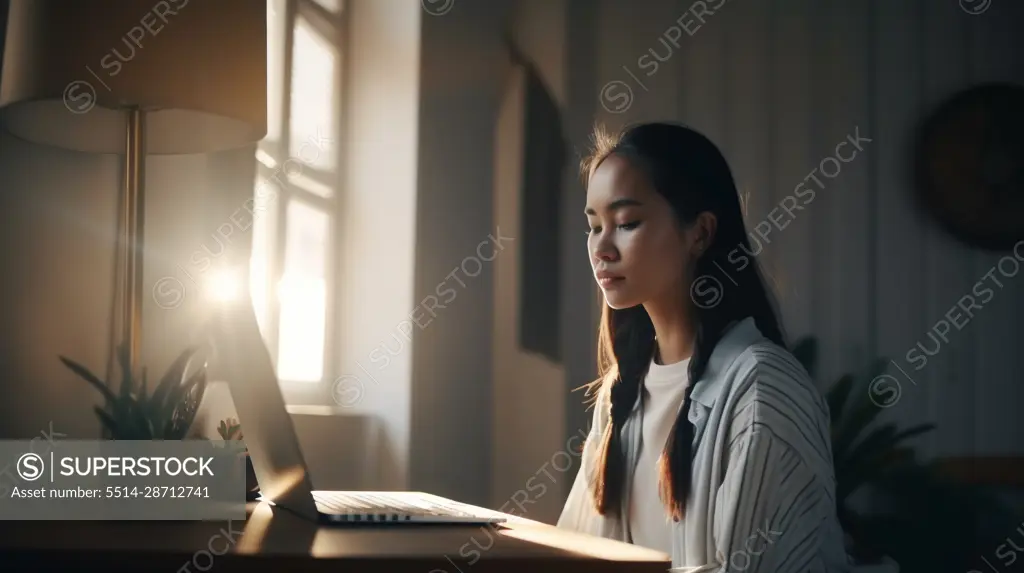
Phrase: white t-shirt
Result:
[649,521]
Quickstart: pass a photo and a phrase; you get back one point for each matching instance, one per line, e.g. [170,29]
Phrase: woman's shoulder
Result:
[746,361]
[771,390]
[768,364]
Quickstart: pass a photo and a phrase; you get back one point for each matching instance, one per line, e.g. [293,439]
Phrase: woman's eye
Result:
[629,226]
[592,230]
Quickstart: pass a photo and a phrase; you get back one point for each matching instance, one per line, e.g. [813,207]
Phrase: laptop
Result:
[241,356]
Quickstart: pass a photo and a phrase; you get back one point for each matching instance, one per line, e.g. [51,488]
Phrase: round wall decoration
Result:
[969,165]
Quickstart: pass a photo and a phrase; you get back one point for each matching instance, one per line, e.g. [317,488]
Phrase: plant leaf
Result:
[854,478]
[182,404]
[868,446]
[122,411]
[875,455]
[837,396]
[171,379]
[89,377]
[912,431]
[176,397]
[109,423]
[143,422]
[144,388]
[863,462]
[883,446]
[229,429]
[131,419]
[195,401]
[806,352]
[861,412]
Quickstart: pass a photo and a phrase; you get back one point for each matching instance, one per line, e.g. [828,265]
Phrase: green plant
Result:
[230,429]
[860,455]
[133,413]
[928,523]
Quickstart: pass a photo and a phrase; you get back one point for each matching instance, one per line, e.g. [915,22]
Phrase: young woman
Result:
[709,441]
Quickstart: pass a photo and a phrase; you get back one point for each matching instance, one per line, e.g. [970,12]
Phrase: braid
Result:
[673,487]
[623,395]
[674,467]
[633,340]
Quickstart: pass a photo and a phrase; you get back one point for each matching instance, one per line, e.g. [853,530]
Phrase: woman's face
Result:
[638,250]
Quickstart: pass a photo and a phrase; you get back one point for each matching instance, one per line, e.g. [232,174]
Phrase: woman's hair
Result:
[690,172]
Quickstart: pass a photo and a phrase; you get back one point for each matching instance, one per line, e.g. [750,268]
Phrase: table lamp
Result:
[135,78]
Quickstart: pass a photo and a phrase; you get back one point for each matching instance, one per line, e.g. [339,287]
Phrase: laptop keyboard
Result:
[373,506]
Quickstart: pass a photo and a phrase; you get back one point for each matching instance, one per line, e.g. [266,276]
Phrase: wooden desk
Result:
[274,540]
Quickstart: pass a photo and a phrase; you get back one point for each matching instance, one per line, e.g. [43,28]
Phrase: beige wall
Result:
[378,225]
[57,230]
[528,388]
[462,69]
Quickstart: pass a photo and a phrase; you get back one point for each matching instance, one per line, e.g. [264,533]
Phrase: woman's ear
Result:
[703,232]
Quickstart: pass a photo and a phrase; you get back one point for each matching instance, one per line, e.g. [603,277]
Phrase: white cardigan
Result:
[763,491]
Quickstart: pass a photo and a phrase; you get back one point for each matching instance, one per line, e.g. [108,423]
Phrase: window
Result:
[292,265]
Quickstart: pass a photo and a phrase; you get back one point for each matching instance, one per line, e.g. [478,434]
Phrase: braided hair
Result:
[689,171]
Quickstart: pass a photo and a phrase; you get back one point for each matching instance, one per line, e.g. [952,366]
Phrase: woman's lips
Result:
[609,282]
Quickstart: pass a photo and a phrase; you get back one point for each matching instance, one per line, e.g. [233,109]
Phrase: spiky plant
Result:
[133,413]
[230,429]
[929,522]
[861,455]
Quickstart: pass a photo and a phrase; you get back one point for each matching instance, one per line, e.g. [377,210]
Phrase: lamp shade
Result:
[198,68]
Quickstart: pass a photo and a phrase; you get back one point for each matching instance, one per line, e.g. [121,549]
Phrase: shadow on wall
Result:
[544,159]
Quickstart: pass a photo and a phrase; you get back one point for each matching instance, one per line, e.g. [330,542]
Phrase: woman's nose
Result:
[604,251]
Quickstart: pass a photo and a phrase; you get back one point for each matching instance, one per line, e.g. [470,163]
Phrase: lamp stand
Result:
[133,238]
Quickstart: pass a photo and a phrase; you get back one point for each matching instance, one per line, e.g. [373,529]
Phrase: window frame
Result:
[332,27]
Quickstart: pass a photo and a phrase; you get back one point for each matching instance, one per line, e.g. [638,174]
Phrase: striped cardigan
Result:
[762,498]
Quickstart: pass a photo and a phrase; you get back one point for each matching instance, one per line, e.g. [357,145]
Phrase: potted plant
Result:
[132,412]
[230,429]
[928,523]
